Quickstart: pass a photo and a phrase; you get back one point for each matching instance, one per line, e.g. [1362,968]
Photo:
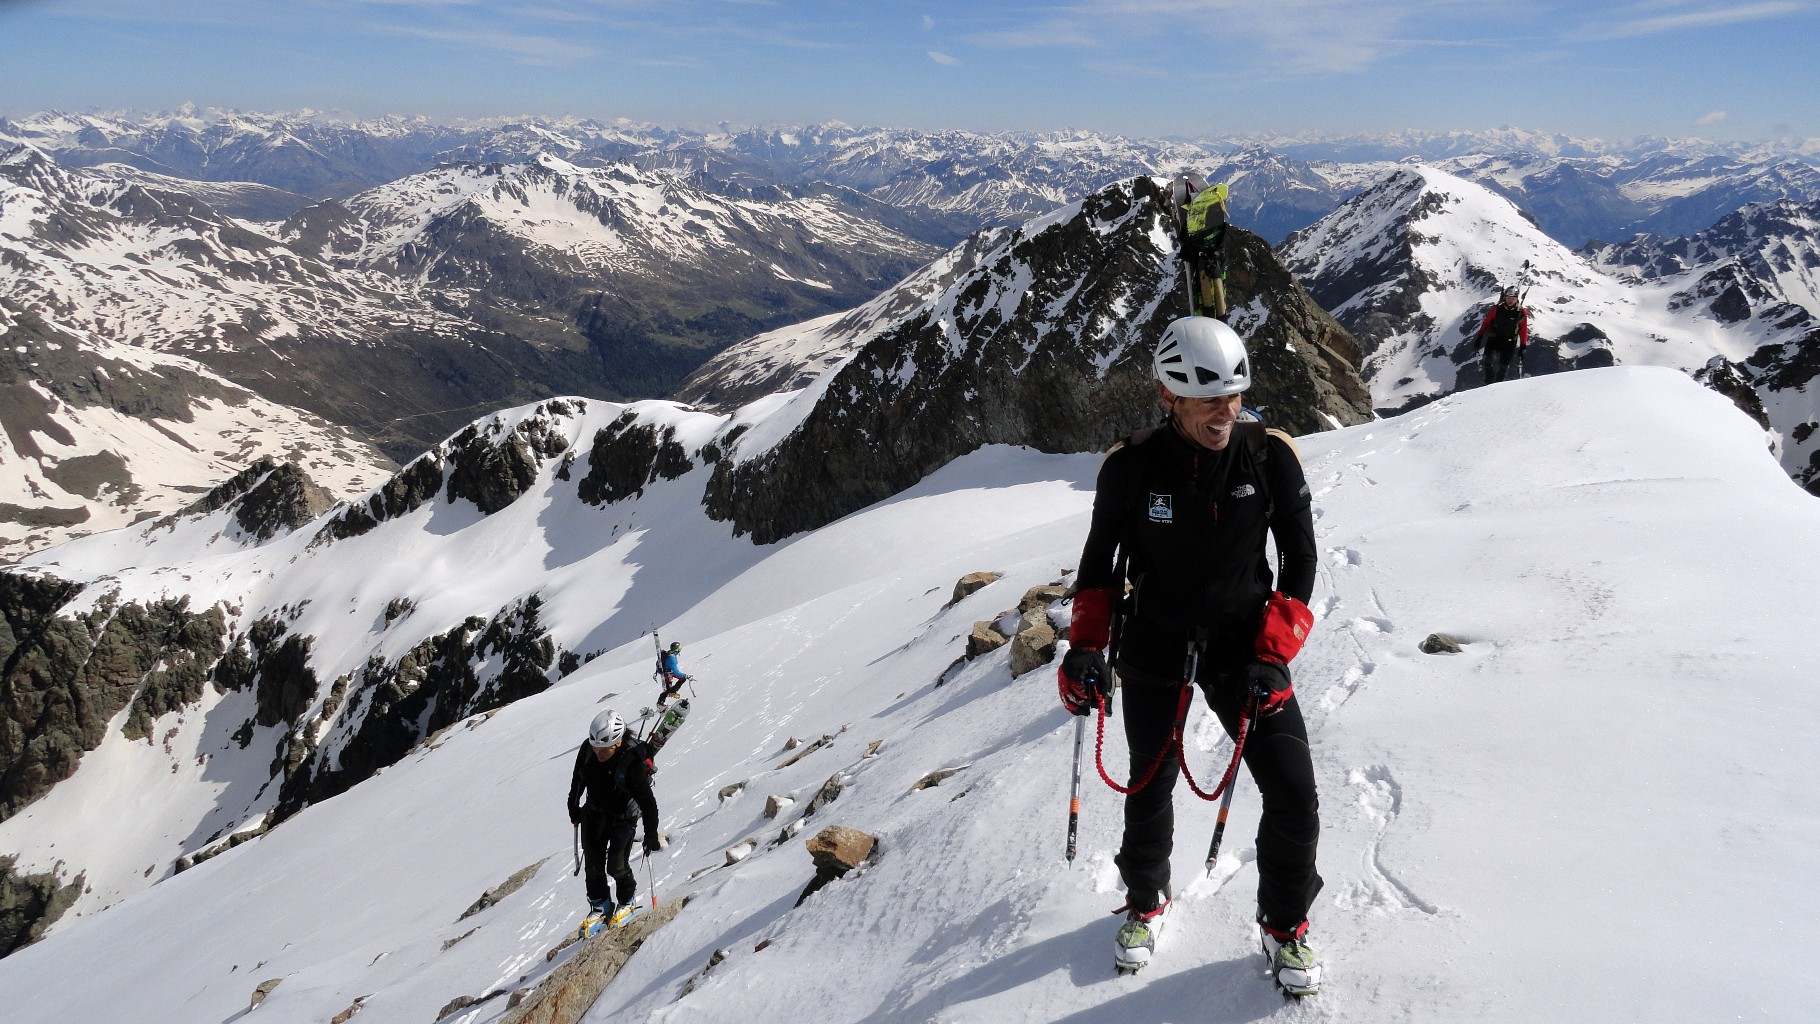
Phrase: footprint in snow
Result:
[1380,797]
[1348,685]
[1345,557]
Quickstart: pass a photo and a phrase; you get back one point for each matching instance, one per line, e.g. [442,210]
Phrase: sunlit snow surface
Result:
[1601,811]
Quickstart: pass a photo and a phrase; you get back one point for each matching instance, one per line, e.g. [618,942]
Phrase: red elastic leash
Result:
[1173,743]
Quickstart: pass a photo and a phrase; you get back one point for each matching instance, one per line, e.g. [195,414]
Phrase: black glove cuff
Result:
[1268,675]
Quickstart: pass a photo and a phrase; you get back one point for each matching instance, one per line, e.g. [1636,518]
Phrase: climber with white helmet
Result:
[1183,511]
[613,771]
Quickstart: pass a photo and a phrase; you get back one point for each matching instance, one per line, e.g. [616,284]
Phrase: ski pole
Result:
[578,849]
[1232,783]
[651,876]
[1074,794]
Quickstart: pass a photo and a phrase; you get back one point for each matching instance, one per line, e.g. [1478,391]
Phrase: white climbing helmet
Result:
[608,729]
[1200,357]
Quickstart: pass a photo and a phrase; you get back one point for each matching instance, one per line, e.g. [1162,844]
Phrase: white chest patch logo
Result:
[1244,491]
[1161,508]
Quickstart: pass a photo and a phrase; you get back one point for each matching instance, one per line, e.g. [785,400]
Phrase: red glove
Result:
[1083,680]
[1286,625]
[1092,623]
[1271,683]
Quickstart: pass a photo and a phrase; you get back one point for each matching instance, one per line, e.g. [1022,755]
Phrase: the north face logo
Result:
[1161,508]
[1244,491]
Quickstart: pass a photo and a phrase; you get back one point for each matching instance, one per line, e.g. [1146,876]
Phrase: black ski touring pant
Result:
[606,852]
[1277,756]
[1499,354]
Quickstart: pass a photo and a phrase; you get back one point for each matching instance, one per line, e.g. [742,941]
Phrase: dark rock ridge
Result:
[626,456]
[68,675]
[486,463]
[30,904]
[269,498]
[391,707]
[1047,344]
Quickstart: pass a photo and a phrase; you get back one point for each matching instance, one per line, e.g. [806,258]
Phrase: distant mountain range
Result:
[405,310]
[397,277]
[953,182]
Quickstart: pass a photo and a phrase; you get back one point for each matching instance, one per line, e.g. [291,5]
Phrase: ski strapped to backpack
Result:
[1200,222]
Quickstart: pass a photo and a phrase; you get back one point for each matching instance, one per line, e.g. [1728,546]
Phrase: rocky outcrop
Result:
[408,490]
[1034,645]
[1439,643]
[271,498]
[565,996]
[30,904]
[502,890]
[67,676]
[493,468]
[984,639]
[971,584]
[189,651]
[1046,344]
[626,456]
[392,706]
[836,850]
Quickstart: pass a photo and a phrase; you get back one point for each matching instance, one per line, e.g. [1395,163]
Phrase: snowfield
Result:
[1601,810]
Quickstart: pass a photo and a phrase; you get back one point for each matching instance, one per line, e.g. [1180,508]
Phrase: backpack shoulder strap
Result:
[1287,440]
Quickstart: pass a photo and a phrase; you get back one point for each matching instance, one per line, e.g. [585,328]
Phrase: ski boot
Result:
[1292,961]
[1136,941]
[599,913]
[623,914]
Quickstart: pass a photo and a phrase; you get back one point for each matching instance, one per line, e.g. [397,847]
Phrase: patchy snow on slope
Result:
[1580,817]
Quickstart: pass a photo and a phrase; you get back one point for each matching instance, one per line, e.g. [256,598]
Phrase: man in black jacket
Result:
[1191,504]
[1503,336]
[613,773]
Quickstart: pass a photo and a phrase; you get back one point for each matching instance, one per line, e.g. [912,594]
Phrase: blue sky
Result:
[1743,69]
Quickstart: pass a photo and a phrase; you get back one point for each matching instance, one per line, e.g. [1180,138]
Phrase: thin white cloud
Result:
[541,51]
[1054,34]
[1706,16]
[928,23]
[944,59]
[1709,119]
[1290,37]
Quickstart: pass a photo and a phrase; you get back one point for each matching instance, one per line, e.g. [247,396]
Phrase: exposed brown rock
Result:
[1440,643]
[502,890]
[937,777]
[1041,597]
[263,990]
[1033,648]
[971,583]
[565,996]
[984,639]
[836,850]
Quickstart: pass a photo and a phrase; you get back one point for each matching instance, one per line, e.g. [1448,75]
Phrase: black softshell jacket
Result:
[1194,523]
[618,789]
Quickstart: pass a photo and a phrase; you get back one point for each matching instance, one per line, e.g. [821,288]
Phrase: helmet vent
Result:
[1204,375]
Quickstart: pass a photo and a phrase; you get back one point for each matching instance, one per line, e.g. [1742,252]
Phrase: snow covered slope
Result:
[612,222]
[1577,818]
[1410,265]
[125,260]
[97,435]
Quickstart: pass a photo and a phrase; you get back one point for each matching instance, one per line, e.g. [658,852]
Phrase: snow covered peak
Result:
[1412,263]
